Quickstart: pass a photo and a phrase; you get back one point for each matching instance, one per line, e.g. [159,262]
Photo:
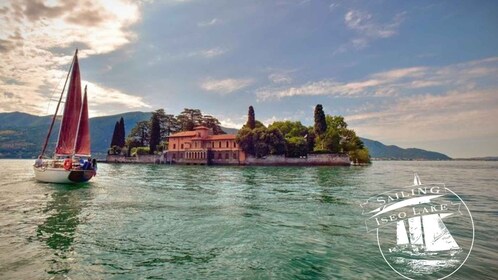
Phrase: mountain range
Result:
[22,135]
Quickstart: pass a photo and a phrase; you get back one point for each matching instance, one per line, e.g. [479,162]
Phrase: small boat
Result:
[71,162]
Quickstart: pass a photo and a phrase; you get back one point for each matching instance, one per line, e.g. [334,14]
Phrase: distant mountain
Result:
[379,150]
[22,135]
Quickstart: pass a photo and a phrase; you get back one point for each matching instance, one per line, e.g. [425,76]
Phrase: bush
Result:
[114,150]
[140,151]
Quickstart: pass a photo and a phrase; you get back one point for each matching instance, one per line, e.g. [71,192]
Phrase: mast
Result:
[57,108]
[72,107]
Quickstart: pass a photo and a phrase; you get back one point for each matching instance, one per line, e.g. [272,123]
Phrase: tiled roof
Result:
[222,137]
[200,127]
[184,134]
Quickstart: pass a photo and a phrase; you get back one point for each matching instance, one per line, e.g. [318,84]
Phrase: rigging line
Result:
[58,104]
[55,88]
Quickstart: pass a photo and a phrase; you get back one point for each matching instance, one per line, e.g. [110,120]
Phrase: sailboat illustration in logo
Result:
[413,224]
[426,233]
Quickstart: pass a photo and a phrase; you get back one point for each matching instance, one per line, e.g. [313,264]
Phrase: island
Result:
[191,138]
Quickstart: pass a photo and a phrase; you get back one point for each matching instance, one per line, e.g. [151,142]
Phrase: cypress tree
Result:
[122,134]
[251,120]
[155,133]
[320,122]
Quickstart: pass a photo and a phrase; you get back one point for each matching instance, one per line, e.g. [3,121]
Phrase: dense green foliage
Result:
[328,135]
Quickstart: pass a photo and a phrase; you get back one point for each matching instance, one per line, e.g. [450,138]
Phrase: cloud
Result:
[209,53]
[459,114]
[107,101]
[364,24]
[38,38]
[281,77]
[225,86]
[211,22]
[367,29]
[391,83]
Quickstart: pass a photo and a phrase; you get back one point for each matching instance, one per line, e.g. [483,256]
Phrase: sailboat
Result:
[71,162]
[426,234]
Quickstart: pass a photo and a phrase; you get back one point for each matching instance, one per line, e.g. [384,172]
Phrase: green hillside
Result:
[22,135]
[379,150]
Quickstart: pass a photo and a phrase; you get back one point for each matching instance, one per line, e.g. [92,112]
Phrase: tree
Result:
[290,129]
[261,148]
[251,120]
[121,135]
[329,141]
[275,141]
[296,147]
[140,134]
[189,118]
[245,139]
[320,122]
[212,123]
[155,130]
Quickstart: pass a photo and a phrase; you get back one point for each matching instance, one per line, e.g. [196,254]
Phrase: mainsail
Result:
[71,116]
[82,145]
[426,231]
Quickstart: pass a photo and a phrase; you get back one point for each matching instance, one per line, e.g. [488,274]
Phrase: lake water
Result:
[198,222]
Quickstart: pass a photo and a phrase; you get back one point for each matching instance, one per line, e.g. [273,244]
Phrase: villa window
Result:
[181,146]
[174,146]
[234,155]
[227,144]
[234,145]
[219,144]
[219,155]
[226,156]
[173,156]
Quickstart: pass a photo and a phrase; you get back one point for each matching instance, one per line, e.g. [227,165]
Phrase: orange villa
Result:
[200,146]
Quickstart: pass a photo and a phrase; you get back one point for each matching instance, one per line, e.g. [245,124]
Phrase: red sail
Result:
[70,119]
[83,138]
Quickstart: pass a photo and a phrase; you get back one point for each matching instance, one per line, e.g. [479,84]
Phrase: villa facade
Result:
[200,146]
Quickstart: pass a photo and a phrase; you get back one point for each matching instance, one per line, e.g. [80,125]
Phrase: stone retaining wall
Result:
[310,160]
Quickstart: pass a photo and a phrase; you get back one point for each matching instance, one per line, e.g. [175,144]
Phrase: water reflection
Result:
[59,229]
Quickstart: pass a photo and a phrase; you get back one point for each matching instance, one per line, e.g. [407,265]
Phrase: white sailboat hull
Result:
[61,175]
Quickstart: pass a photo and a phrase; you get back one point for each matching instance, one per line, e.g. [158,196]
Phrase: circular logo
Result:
[424,231]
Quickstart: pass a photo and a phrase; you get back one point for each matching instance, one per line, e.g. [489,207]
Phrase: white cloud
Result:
[364,24]
[225,86]
[280,77]
[211,22]
[209,53]
[391,83]
[368,29]
[37,40]
[452,115]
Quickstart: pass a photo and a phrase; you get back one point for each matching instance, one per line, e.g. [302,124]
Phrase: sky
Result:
[410,73]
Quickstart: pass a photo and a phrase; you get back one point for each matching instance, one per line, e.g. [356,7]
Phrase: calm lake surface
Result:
[198,222]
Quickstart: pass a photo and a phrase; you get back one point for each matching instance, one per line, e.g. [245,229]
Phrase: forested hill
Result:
[381,151]
[22,135]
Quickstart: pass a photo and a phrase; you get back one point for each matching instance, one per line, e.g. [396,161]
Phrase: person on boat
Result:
[39,161]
